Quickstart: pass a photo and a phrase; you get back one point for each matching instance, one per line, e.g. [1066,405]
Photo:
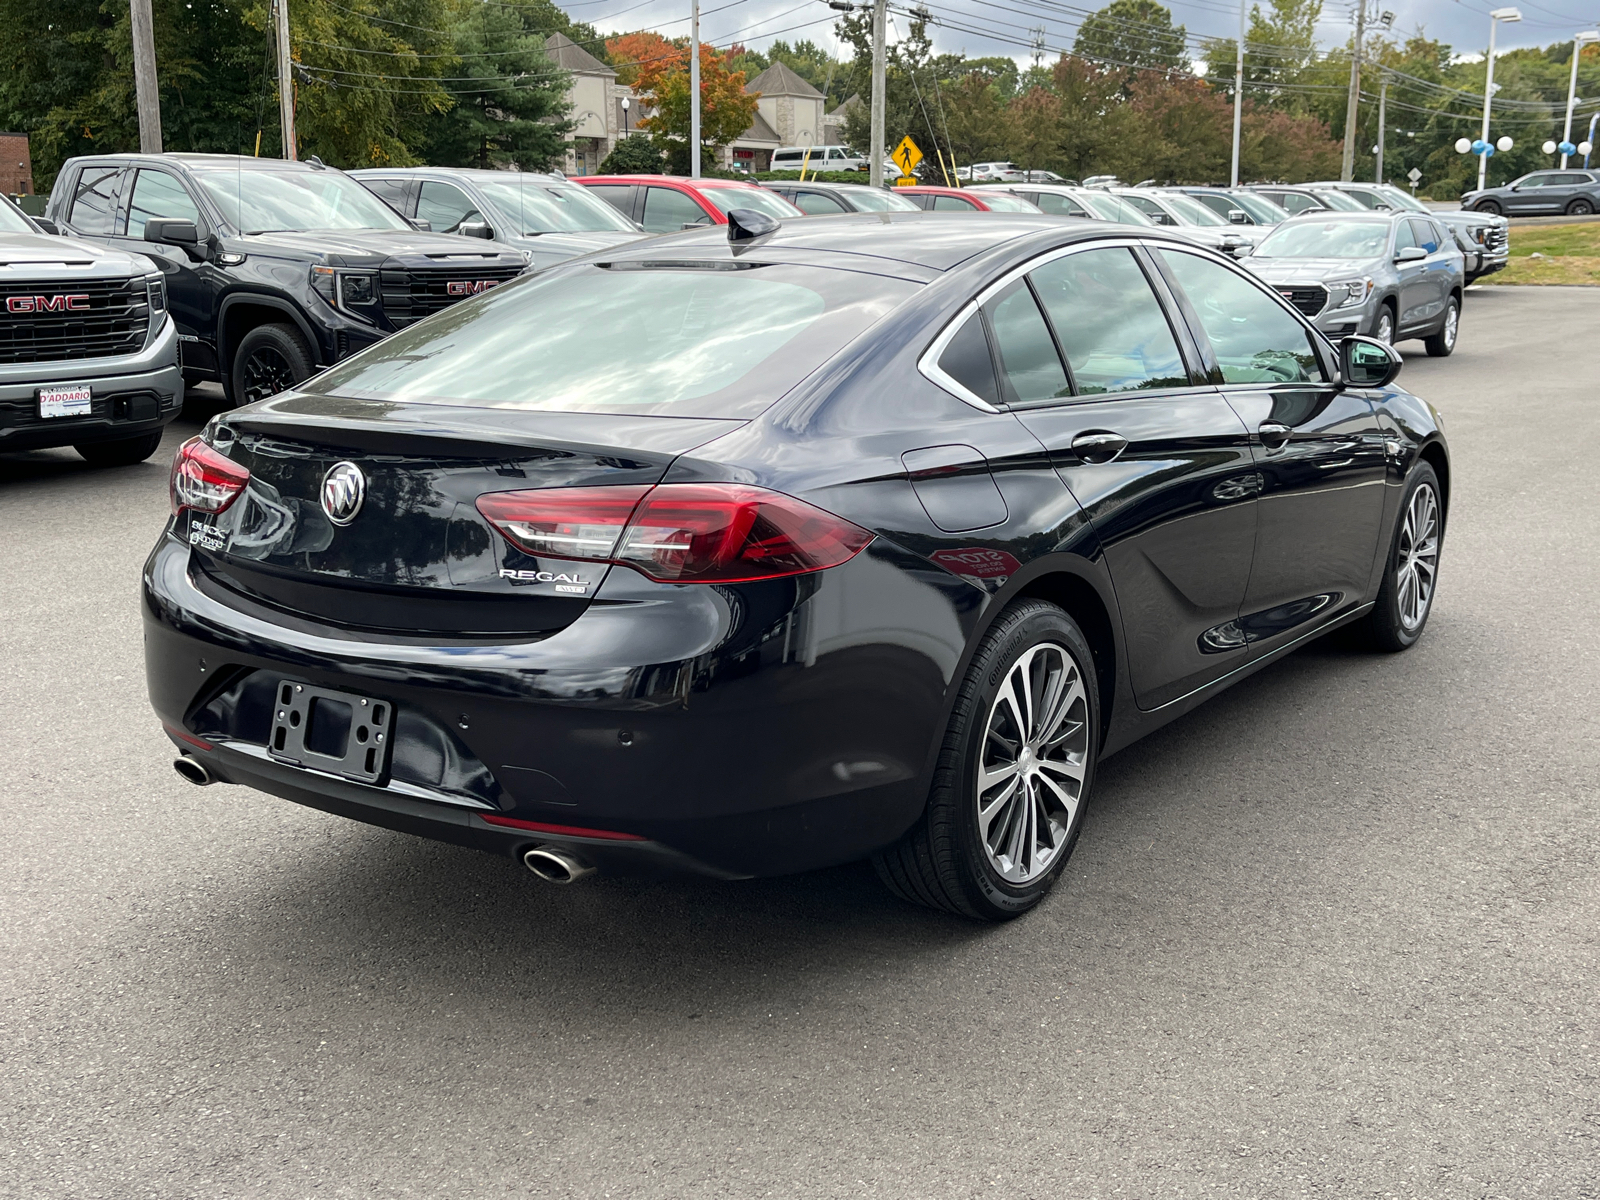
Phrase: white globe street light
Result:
[1507,15]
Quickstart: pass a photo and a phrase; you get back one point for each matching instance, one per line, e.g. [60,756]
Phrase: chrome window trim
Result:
[928,364]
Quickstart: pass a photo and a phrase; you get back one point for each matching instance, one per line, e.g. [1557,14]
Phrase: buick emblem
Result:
[344,487]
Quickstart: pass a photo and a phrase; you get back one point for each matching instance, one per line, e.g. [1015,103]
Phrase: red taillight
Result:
[205,480]
[678,532]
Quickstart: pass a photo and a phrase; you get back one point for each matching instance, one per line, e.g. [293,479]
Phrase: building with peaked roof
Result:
[789,112]
[596,99]
[833,123]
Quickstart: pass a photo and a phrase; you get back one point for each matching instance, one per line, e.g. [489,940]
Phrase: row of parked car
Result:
[270,270]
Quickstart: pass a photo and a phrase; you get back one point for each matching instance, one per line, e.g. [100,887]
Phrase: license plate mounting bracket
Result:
[329,730]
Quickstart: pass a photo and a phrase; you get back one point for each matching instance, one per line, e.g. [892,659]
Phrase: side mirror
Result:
[1237,216]
[1410,254]
[477,229]
[1243,250]
[47,225]
[171,231]
[420,225]
[1367,362]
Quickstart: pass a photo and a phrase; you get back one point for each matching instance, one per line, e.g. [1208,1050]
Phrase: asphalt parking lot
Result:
[1335,934]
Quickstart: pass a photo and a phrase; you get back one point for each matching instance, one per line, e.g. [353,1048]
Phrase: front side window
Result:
[1424,235]
[157,194]
[1151,209]
[817,205]
[1029,364]
[676,339]
[1109,322]
[1255,339]
[1531,181]
[1405,237]
[391,191]
[94,201]
[266,201]
[12,220]
[667,210]
[952,204]
[445,207]
[1297,203]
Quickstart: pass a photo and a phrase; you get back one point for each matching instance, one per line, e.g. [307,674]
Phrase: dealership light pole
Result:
[694,89]
[285,78]
[147,94]
[1579,40]
[1383,105]
[1238,94]
[1507,15]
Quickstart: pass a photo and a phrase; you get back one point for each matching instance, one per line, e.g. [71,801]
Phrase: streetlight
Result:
[1507,15]
[624,114]
[1578,42]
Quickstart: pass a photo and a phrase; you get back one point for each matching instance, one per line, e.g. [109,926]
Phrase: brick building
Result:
[16,165]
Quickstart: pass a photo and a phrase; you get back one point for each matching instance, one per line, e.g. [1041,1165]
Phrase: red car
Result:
[668,203]
[944,199]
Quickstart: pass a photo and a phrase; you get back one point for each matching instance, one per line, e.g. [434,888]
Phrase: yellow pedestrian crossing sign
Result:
[906,156]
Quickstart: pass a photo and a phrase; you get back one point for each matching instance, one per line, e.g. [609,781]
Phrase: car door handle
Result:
[1273,435]
[1099,447]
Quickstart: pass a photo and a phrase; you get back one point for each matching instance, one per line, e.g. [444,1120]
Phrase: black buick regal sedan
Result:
[767,547]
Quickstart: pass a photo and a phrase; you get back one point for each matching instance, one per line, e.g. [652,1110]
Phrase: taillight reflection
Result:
[203,479]
[678,532]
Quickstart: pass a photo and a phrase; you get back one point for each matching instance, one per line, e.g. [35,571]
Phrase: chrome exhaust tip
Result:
[193,770]
[555,866]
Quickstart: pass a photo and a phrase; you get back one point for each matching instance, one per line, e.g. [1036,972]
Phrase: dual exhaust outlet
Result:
[549,864]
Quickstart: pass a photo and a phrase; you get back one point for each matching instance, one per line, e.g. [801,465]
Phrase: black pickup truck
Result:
[273,269]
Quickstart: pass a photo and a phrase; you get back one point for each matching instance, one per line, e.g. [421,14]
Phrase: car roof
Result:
[1339,214]
[935,241]
[232,162]
[470,172]
[679,180]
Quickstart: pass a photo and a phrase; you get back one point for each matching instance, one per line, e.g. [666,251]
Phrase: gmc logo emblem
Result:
[29,304]
[468,287]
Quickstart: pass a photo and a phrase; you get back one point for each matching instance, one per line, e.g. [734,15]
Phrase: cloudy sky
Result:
[1003,26]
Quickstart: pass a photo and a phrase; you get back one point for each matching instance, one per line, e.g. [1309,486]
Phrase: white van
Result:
[822,158]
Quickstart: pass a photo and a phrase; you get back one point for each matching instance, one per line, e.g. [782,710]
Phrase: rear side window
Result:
[667,210]
[952,204]
[618,195]
[157,194]
[1297,203]
[1029,365]
[675,339]
[445,207]
[966,360]
[94,201]
[1255,340]
[1109,323]
[1056,205]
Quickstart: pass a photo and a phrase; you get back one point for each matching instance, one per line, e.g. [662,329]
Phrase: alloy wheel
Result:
[1452,322]
[1418,553]
[1385,328]
[1032,766]
[266,373]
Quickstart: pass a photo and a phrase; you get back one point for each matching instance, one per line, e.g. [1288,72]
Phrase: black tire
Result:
[1442,343]
[1488,206]
[270,359]
[1386,628]
[1580,208]
[123,452]
[1386,309]
[943,860]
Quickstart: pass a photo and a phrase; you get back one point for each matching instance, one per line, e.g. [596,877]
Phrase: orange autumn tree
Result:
[658,70]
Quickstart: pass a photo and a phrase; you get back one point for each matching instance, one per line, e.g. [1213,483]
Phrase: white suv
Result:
[997,172]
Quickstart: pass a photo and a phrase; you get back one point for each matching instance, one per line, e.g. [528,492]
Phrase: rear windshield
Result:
[761,200]
[674,339]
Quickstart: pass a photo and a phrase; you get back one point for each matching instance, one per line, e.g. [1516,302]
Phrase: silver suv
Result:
[1386,275]
[88,353]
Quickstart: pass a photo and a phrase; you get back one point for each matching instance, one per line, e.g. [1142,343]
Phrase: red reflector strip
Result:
[565,830]
[187,737]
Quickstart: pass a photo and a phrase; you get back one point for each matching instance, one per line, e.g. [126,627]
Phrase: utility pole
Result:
[146,92]
[694,89]
[879,19]
[1383,103]
[285,79]
[1238,94]
[1347,169]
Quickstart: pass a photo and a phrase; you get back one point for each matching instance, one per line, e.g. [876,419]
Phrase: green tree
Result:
[1133,33]
[635,155]
[510,101]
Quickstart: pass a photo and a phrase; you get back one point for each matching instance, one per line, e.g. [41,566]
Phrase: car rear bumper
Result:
[132,394]
[748,730]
